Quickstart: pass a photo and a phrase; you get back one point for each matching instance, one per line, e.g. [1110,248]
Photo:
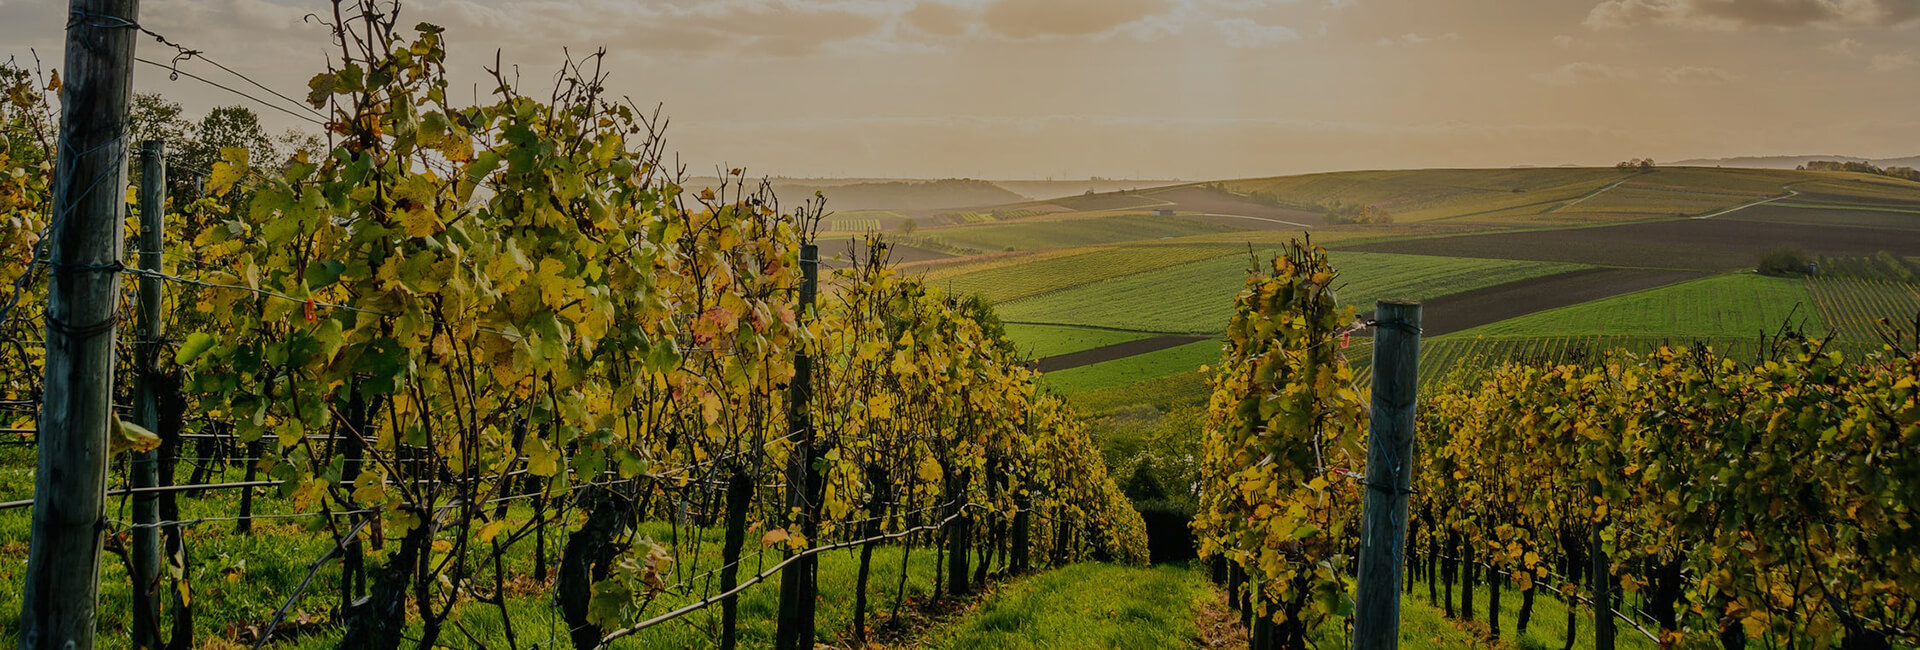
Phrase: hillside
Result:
[1118,291]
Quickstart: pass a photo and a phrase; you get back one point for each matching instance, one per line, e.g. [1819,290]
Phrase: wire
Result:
[177,71]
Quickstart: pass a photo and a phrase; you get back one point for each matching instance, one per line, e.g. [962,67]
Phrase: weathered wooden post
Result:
[146,399]
[795,628]
[62,582]
[1383,526]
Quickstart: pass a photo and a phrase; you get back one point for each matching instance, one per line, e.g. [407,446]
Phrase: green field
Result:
[1855,308]
[1197,298]
[1165,391]
[1420,195]
[1737,305]
[1042,341]
[1137,368]
[1006,283]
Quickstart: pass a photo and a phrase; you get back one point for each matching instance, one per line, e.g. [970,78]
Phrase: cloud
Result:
[1043,18]
[1893,62]
[1245,32]
[1729,15]
[1694,75]
[939,19]
[1846,47]
[1411,39]
[1584,73]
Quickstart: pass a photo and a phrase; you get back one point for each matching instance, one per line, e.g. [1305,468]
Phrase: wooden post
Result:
[795,627]
[146,399]
[1602,586]
[62,582]
[1383,526]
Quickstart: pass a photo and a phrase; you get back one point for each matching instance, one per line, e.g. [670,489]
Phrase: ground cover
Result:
[1005,283]
[1717,244]
[1468,309]
[1419,195]
[1059,233]
[1087,605]
[1042,341]
[1197,298]
[1864,311]
[1734,305]
[1132,369]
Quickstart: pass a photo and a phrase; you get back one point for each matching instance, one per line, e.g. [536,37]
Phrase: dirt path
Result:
[1790,194]
[1268,220]
[1590,195]
[1115,351]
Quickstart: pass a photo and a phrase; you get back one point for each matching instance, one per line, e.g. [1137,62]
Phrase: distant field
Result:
[1112,201]
[1005,283]
[1718,244]
[1042,341]
[1462,357]
[1120,372]
[1812,214]
[1737,305]
[1470,309]
[1854,308]
[1419,195]
[1031,234]
[1197,298]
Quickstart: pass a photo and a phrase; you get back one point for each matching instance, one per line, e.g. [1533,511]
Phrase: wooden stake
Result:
[62,582]
[1383,527]
[146,401]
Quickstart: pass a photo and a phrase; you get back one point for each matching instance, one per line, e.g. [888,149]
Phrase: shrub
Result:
[1783,261]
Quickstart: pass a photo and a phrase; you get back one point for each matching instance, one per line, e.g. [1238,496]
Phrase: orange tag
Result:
[309,310]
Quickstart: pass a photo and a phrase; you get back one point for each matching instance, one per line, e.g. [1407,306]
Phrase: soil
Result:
[1461,311]
[1115,351]
[1719,244]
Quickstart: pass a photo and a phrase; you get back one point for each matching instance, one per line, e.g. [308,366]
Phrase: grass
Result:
[1421,195]
[1061,233]
[1165,391]
[1137,368]
[1735,305]
[1197,298]
[1546,631]
[1092,606]
[239,580]
[1042,341]
[1004,283]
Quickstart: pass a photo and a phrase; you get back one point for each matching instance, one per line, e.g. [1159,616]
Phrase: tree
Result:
[222,128]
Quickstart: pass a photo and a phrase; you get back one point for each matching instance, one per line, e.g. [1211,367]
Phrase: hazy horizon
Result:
[1147,89]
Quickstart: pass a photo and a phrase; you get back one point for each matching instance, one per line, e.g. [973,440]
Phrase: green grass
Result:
[1197,298]
[1546,631]
[242,580]
[1012,282]
[1736,305]
[1042,341]
[1165,391]
[1137,368]
[1092,606]
[1060,233]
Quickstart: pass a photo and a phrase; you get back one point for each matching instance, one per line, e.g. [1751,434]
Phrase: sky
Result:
[1190,89]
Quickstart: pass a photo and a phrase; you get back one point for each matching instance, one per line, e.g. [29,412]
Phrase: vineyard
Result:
[499,374]
[489,377]
[1684,496]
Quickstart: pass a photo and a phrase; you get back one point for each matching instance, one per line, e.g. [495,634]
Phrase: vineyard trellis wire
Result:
[434,376]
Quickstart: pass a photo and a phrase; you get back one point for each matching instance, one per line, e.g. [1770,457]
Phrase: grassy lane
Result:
[1093,606]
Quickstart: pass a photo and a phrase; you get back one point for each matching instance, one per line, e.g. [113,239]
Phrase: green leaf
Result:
[196,344]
